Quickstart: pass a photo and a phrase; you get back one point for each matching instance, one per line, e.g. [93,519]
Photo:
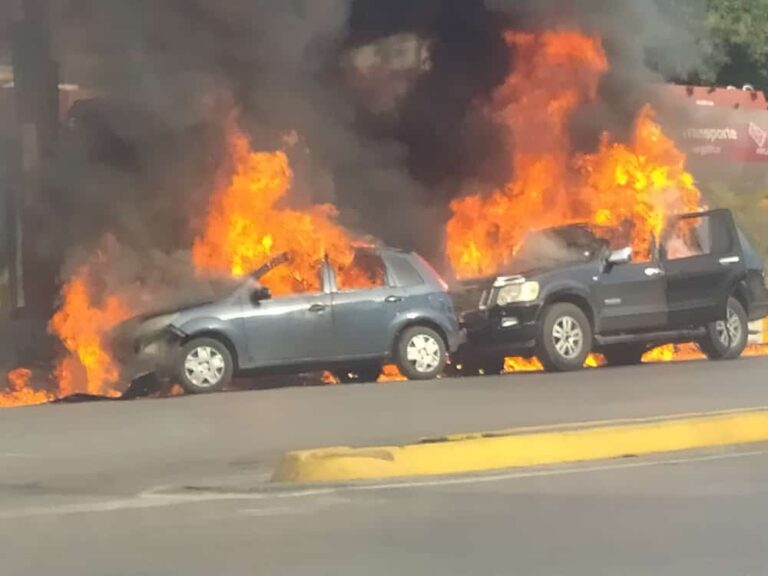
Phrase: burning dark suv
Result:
[402,314]
[568,293]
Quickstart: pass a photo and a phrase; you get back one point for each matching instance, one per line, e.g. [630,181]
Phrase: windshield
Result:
[567,245]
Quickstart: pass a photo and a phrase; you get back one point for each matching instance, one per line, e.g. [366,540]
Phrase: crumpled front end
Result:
[147,345]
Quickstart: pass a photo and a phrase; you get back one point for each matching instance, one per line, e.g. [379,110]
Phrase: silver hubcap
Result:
[568,337]
[204,366]
[423,352]
[729,330]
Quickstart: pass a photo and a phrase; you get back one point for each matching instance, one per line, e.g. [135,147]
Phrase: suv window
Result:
[694,236]
[405,273]
[366,271]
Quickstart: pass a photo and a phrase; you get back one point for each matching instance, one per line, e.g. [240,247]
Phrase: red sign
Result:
[722,123]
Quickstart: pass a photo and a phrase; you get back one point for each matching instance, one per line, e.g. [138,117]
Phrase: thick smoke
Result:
[139,161]
[647,42]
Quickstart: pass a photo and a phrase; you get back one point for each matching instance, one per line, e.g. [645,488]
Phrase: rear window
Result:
[689,237]
[405,274]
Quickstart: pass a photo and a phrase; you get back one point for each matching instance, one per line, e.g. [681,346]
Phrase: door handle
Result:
[654,272]
[317,308]
[393,299]
[727,261]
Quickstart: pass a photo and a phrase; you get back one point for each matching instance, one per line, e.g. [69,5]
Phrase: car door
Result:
[702,259]
[365,304]
[631,297]
[290,329]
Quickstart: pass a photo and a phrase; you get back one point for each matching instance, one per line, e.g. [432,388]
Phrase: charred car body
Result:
[568,292]
[404,314]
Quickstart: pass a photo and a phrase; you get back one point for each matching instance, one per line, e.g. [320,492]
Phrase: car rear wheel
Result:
[420,353]
[726,339]
[358,374]
[565,338]
[205,365]
[624,355]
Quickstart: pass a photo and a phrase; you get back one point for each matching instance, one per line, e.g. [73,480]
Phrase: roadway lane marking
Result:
[554,472]
[154,498]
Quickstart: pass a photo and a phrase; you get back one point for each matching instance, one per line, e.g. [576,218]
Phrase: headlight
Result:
[525,292]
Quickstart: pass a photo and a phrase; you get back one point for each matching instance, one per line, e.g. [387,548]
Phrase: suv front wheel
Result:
[420,353]
[565,338]
[726,339]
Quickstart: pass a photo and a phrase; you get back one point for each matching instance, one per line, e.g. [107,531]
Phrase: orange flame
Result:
[247,225]
[515,364]
[20,392]
[82,324]
[391,373]
[636,185]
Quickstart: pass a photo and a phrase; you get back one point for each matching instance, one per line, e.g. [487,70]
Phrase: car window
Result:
[404,272]
[289,278]
[366,271]
[695,236]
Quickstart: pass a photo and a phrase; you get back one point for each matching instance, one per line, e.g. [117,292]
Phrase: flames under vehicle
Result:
[569,292]
[404,314]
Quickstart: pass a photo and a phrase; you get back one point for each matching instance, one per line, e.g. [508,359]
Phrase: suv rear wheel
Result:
[204,365]
[420,353]
[565,338]
[726,339]
[624,354]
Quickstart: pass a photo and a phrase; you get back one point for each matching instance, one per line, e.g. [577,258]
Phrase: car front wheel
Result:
[726,339]
[420,353]
[204,365]
[565,338]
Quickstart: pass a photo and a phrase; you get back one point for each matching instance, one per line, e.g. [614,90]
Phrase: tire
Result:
[420,353]
[568,350]
[358,374]
[727,339]
[624,354]
[204,365]
[480,364]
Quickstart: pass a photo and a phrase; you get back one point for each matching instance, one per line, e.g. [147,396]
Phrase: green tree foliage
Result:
[741,24]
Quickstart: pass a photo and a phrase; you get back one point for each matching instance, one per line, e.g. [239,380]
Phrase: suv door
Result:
[290,329]
[632,297]
[703,261]
[365,303]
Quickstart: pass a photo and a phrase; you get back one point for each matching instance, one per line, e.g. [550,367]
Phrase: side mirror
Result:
[260,294]
[619,257]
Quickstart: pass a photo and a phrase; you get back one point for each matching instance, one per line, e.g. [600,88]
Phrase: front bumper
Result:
[510,328]
[150,353]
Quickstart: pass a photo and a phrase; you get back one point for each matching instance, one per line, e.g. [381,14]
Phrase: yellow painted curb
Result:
[531,447]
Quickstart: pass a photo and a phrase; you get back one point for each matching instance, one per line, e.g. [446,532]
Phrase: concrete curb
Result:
[526,447]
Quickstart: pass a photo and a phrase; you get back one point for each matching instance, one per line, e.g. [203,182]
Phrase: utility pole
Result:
[37,125]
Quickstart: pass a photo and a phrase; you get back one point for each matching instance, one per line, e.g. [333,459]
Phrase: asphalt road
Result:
[67,472]
[125,447]
[702,514]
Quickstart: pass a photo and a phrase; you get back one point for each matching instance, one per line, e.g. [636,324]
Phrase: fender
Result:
[566,290]
[423,317]
[211,326]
